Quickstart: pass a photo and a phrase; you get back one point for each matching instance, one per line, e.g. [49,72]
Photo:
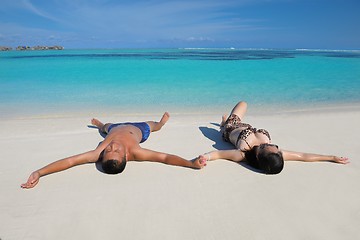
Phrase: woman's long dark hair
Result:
[250,157]
[270,163]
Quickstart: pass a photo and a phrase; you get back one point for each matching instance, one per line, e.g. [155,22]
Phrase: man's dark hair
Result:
[112,166]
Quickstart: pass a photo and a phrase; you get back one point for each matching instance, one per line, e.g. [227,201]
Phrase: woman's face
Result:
[269,148]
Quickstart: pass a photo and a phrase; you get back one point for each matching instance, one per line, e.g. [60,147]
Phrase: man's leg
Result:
[102,127]
[156,126]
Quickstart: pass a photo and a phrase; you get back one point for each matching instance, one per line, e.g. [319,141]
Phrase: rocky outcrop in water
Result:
[27,48]
[2,48]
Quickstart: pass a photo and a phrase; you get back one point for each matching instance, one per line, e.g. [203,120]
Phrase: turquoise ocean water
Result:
[46,83]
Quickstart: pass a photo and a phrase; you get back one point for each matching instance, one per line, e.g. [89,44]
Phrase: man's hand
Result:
[199,162]
[32,181]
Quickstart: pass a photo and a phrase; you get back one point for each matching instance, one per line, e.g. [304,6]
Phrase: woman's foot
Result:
[223,120]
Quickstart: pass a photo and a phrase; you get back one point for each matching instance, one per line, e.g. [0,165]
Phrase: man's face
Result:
[114,151]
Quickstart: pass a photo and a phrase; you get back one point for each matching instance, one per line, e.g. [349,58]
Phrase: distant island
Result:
[27,48]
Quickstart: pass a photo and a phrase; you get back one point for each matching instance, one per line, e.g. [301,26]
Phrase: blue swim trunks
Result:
[143,126]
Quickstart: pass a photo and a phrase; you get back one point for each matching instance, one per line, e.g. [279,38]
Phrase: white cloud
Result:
[33,9]
[199,39]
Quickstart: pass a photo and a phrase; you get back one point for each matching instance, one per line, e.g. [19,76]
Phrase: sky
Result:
[311,24]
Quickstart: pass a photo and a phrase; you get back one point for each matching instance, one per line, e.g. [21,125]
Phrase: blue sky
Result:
[317,24]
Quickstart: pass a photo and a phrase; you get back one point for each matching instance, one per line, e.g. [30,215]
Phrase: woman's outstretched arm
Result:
[311,157]
[232,155]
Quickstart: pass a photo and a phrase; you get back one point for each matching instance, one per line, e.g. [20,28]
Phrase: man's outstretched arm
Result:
[60,165]
[170,159]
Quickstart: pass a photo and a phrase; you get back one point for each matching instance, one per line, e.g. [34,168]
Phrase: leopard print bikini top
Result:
[244,134]
[234,122]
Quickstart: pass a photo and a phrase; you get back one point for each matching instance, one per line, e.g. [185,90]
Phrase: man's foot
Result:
[156,126]
[97,123]
[164,118]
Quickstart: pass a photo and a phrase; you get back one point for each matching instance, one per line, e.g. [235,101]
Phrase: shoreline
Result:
[176,110]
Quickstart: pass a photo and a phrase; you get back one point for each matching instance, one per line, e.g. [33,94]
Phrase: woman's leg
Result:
[239,110]
[156,126]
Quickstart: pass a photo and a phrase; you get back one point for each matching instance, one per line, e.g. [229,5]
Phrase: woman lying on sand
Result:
[121,144]
[254,146]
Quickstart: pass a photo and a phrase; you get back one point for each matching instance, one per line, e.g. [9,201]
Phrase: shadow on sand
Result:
[219,144]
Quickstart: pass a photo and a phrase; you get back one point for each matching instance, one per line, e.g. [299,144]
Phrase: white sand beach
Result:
[224,200]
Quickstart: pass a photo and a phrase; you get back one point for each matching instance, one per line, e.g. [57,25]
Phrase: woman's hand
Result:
[341,160]
[32,181]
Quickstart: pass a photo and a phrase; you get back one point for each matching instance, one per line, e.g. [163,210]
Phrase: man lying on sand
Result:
[121,144]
